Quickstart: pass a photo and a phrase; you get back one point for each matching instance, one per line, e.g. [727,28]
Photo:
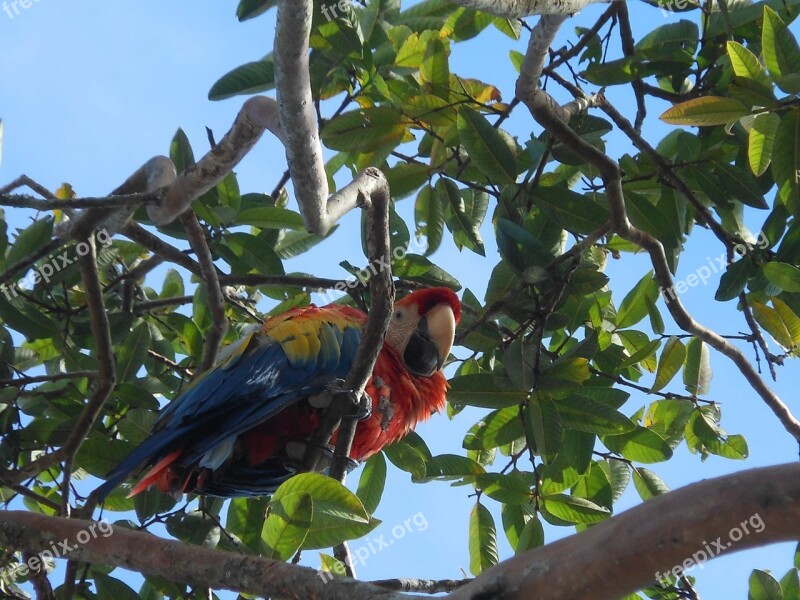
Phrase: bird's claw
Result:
[362,404]
[296,451]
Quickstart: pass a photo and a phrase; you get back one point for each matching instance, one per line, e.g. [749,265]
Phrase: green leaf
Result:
[194,528]
[518,362]
[764,586]
[108,587]
[29,240]
[497,428]
[584,414]
[734,280]
[697,368]
[451,466]
[364,130]
[786,160]
[669,363]
[634,306]
[708,110]
[532,536]
[98,456]
[180,151]
[761,141]
[575,510]
[434,69]
[781,52]
[338,514]
[450,193]
[289,521]
[246,520]
[152,502]
[782,275]
[483,390]
[248,254]
[746,64]
[133,353]
[790,320]
[295,243]
[641,445]
[572,211]
[331,566]
[648,484]
[372,481]
[249,9]
[482,540]
[486,147]
[790,584]
[270,217]
[511,488]
[429,217]
[408,458]
[770,319]
[24,318]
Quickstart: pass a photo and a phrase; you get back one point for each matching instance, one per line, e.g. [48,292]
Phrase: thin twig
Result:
[216,299]
[25,201]
[22,381]
[141,236]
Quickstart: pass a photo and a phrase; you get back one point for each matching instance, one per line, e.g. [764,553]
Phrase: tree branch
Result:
[516,9]
[256,115]
[123,200]
[176,561]
[216,299]
[649,538]
[646,539]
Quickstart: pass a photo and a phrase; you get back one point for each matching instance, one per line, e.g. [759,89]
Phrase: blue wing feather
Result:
[250,387]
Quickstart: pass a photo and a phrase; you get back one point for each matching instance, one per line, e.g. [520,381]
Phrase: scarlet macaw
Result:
[237,429]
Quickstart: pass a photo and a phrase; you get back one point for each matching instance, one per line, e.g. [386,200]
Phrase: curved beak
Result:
[429,345]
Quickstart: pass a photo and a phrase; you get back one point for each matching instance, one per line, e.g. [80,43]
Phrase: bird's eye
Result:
[398,315]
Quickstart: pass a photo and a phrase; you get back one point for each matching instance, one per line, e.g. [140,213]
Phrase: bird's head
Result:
[423,327]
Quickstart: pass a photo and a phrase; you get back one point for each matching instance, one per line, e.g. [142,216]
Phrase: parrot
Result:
[241,428]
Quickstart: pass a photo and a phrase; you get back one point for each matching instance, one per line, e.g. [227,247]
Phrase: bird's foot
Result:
[296,451]
[362,405]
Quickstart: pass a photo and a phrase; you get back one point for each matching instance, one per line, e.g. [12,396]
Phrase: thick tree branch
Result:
[176,561]
[297,116]
[522,8]
[154,175]
[256,115]
[382,288]
[649,538]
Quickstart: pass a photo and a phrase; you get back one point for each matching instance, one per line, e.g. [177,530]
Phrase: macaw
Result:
[241,427]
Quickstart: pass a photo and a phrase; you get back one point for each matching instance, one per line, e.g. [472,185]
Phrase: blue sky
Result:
[91,90]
